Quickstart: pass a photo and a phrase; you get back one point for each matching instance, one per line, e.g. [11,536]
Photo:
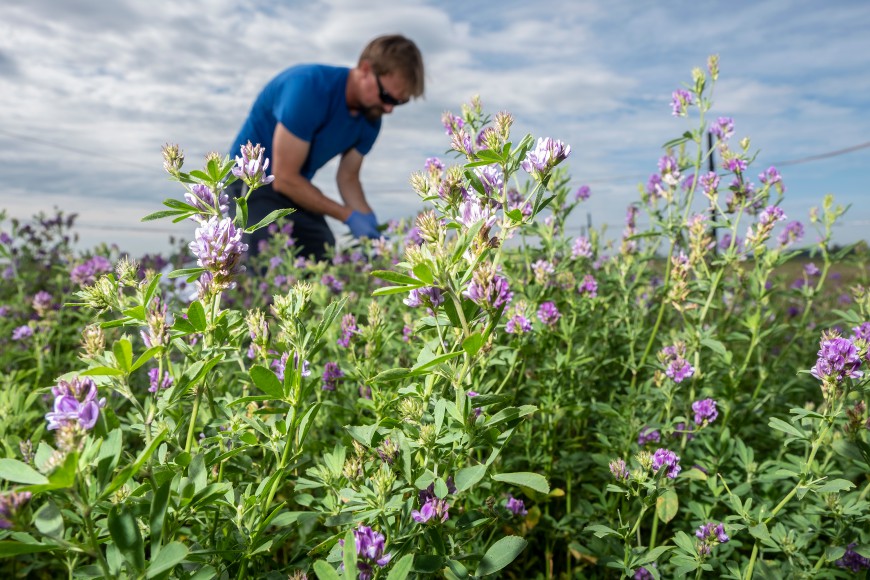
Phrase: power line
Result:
[823,155]
[102,155]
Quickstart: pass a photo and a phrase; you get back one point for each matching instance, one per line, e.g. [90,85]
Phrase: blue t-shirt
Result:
[310,101]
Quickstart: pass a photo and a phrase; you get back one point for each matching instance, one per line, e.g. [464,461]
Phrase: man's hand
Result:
[363,225]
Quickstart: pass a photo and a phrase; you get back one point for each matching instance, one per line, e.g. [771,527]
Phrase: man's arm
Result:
[349,185]
[288,155]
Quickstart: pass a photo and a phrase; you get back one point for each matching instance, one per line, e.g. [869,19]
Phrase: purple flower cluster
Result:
[432,508]
[619,470]
[709,183]
[491,178]
[369,551]
[548,314]
[348,329]
[793,233]
[853,560]
[837,359]
[643,574]
[705,411]
[547,154]
[710,534]
[75,402]
[472,211]
[517,201]
[251,167]
[331,375]
[41,302]
[22,332]
[723,128]
[680,101]
[280,365]
[772,178]
[676,366]
[334,284]
[770,215]
[516,506]
[204,200]
[736,164]
[434,165]
[491,292]
[518,324]
[665,458]
[429,296]
[11,506]
[583,193]
[648,435]
[87,272]
[861,332]
[588,287]
[155,382]
[582,248]
[218,248]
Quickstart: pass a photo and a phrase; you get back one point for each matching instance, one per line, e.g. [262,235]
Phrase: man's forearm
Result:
[308,197]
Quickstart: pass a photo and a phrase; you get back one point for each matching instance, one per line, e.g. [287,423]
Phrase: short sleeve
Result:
[367,139]
[299,107]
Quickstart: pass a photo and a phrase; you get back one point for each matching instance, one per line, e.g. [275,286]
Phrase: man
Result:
[311,113]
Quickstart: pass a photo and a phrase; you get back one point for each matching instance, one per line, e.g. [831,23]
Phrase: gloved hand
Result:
[363,225]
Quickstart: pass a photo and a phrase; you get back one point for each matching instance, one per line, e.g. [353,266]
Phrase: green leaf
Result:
[19,472]
[500,554]
[602,531]
[145,357]
[835,486]
[125,474]
[162,214]
[525,479]
[419,368]
[159,505]
[185,272]
[267,381]
[9,548]
[424,273]
[102,372]
[716,347]
[667,505]
[402,568]
[125,532]
[123,354]
[387,290]
[196,315]
[398,278]
[472,344]
[274,215]
[325,572]
[349,556]
[49,520]
[168,558]
[786,428]
[468,476]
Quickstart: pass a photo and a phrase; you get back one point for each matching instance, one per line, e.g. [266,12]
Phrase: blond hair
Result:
[395,53]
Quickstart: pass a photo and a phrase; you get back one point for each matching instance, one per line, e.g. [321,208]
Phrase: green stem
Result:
[193,415]
[95,544]
[751,565]
[659,318]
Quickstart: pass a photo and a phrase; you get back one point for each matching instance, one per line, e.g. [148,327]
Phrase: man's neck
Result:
[350,91]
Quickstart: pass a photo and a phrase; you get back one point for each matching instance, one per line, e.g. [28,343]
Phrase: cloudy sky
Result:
[90,91]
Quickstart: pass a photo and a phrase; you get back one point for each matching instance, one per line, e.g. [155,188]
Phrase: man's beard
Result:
[373,113]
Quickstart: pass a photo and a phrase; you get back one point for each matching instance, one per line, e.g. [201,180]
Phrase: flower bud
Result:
[93,340]
[173,159]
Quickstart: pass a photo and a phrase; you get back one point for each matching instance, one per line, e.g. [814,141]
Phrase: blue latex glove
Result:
[363,225]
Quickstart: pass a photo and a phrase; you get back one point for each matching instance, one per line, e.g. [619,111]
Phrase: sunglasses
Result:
[387,98]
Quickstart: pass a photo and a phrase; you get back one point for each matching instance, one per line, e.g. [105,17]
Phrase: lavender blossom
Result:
[86,273]
[156,383]
[251,167]
[369,551]
[489,290]
[491,178]
[676,366]
[680,101]
[22,332]
[736,165]
[348,329]
[516,506]
[204,200]
[472,211]
[619,470]
[853,560]
[705,411]
[582,248]
[793,233]
[518,324]
[12,504]
[583,193]
[331,375]
[837,359]
[772,178]
[429,296]
[548,313]
[723,128]
[41,302]
[666,458]
[643,574]
[771,215]
[648,435]
[432,508]
[589,287]
[218,248]
[861,332]
[75,402]
[710,534]
[542,270]
[547,154]
[709,183]
[334,284]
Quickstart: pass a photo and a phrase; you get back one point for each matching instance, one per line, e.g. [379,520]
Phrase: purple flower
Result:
[433,164]
[335,285]
[413,237]
[644,574]
[709,183]
[583,193]
[369,551]
[710,534]
[547,154]
[676,366]
[75,402]
[736,165]
[518,324]
[279,365]
[432,508]
[22,332]
[251,167]
[705,411]
[491,178]
[771,215]
[853,560]
[11,506]
[648,435]
[548,314]
[772,178]
[452,123]
[491,292]
[862,331]
[793,233]
[331,374]
[589,287]
[348,329]
[837,359]
[156,383]
[680,430]
[619,469]
[41,301]
[680,101]
[582,248]
[666,458]
[472,211]
[669,170]
[87,272]
[517,506]
[723,128]
[203,199]
[810,269]
[428,296]
[218,248]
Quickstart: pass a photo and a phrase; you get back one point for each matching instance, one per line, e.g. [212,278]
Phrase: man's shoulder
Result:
[315,74]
